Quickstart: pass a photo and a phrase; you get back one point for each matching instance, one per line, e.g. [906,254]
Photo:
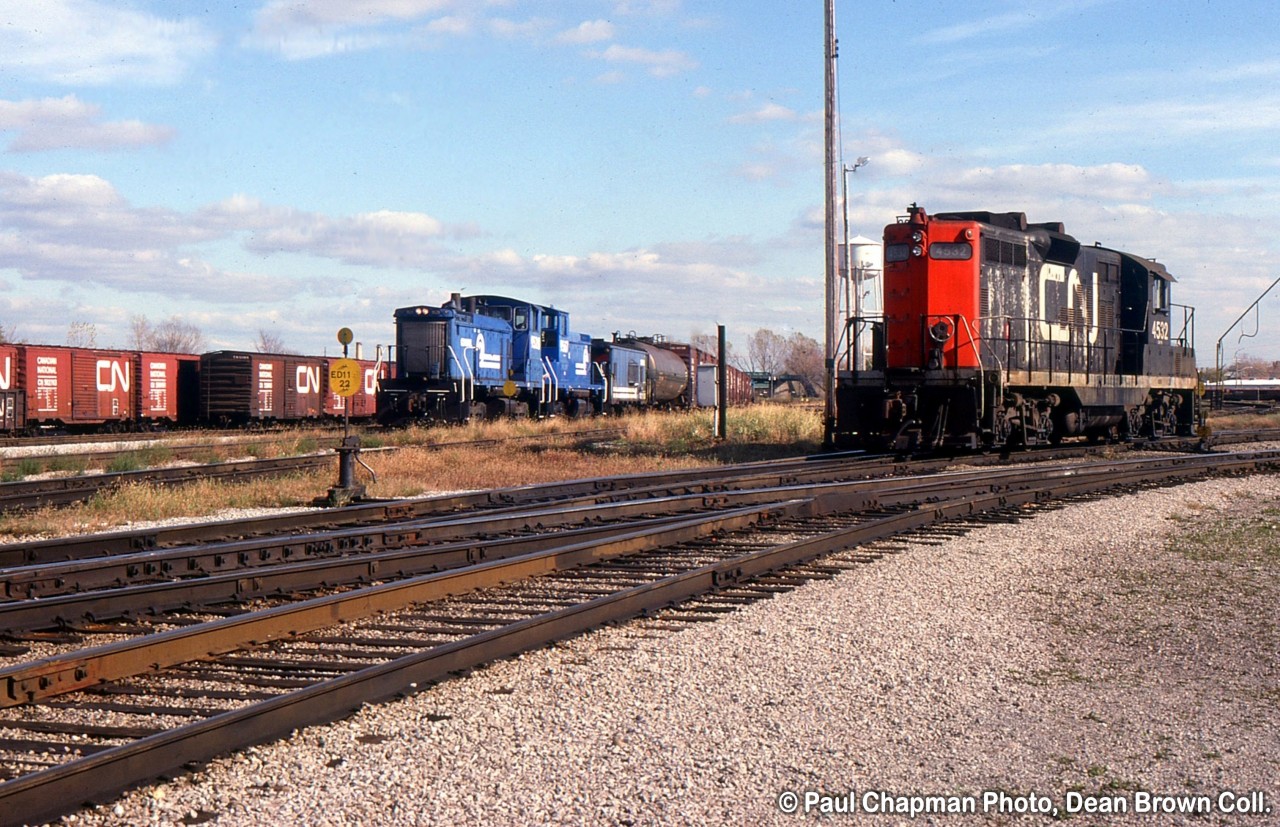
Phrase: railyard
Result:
[761,500]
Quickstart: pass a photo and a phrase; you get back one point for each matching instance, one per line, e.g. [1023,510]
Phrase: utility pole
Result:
[832,248]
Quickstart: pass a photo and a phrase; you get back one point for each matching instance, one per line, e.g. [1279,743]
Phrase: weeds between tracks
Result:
[436,459]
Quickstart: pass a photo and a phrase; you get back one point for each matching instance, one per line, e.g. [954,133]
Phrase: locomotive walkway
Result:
[326,621]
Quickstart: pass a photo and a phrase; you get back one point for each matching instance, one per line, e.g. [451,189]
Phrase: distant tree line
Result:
[773,354]
[1250,367]
[172,335]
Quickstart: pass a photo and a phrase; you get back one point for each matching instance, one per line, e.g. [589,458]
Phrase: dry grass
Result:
[430,460]
[1243,420]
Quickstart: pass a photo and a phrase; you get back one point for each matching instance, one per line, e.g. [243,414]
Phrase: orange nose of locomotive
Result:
[931,292]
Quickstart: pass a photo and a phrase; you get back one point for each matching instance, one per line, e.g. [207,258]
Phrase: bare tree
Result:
[804,358]
[139,332]
[710,343]
[8,334]
[766,352]
[82,334]
[270,342]
[174,335]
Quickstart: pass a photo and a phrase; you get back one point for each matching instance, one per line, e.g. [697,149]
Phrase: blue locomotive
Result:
[489,356]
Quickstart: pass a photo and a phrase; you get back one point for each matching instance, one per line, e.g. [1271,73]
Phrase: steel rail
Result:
[112,603]
[190,594]
[70,594]
[54,791]
[39,551]
[222,563]
[117,571]
[66,490]
[60,674]
[710,478]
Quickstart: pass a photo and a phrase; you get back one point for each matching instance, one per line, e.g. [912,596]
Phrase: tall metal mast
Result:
[832,248]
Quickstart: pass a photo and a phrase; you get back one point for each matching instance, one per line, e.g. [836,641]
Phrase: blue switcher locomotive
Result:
[488,356]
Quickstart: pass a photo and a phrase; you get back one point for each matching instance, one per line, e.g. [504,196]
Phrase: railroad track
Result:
[195,661]
[59,491]
[65,490]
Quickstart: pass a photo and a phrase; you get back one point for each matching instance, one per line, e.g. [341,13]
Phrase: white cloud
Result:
[589,31]
[88,42]
[769,112]
[67,122]
[1108,182]
[286,17]
[659,64]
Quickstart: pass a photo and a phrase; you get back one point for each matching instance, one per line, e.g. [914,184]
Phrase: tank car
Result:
[639,374]
[488,356]
[999,332]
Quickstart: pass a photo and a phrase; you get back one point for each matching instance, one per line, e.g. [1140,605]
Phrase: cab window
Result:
[520,320]
[1162,295]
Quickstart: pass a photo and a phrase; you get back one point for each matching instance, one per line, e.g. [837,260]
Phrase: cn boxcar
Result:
[238,387]
[166,387]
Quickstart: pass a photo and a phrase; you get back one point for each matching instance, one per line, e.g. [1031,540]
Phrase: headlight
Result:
[917,236]
[917,250]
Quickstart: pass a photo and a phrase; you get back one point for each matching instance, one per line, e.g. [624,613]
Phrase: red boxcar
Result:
[102,383]
[13,402]
[166,387]
[238,386]
[303,387]
[44,373]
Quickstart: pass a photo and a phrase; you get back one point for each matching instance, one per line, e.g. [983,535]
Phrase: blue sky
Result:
[647,165]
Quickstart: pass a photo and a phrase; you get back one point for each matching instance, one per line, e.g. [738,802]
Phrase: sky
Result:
[647,165]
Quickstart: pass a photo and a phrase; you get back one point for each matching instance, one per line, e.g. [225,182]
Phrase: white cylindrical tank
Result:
[866,256]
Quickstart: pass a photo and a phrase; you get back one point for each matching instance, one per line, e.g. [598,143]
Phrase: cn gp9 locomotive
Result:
[491,356]
[997,332]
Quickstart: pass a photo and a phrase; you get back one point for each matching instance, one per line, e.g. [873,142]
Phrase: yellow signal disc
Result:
[344,377]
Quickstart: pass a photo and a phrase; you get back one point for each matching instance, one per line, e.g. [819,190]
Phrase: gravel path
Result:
[1087,650]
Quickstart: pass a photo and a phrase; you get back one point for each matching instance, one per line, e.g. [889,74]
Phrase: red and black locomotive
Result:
[997,332]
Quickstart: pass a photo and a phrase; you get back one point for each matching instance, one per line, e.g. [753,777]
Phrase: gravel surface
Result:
[1086,650]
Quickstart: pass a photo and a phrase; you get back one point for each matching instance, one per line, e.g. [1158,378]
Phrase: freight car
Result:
[239,388]
[651,372]
[489,356]
[997,332]
[48,387]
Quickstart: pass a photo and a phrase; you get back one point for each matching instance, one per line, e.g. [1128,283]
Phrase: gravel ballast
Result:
[1083,652]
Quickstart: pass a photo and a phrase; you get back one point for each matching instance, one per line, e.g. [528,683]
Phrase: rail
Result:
[595,583]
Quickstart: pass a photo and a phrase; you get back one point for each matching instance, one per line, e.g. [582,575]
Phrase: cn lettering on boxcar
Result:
[113,375]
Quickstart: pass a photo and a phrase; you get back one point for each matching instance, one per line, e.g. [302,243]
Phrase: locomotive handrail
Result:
[604,379]
[550,386]
[977,352]
[463,369]
[866,322]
